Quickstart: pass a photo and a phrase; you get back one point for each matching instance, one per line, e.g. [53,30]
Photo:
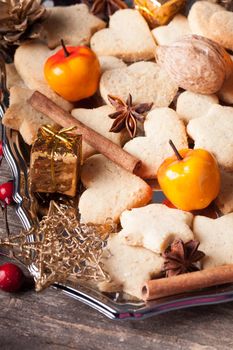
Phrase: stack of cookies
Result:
[127,50]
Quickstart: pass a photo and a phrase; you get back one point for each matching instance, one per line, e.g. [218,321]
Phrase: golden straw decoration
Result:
[61,248]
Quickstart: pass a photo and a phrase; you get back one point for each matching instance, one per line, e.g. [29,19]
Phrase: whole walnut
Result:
[196,63]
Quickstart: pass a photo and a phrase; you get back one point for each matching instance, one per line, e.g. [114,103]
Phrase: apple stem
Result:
[178,155]
[64,48]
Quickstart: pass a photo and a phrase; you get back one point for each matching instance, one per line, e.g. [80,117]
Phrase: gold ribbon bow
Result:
[52,136]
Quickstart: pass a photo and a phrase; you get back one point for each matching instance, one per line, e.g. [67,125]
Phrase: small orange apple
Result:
[73,72]
[190,179]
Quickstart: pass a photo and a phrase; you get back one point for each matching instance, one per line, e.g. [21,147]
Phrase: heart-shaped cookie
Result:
[213,22]
[199,17]
[221,28]
[145,81]
[110,62]
[128,37]
[110,190]
[175,30]
[191,105]
[161,125]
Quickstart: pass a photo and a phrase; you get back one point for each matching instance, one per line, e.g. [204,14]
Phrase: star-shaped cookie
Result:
[216,239]
[22,116]
[161,125]
[74,24]
[155,226]
[129,267]
[214,132]
[224,200]
[13,78]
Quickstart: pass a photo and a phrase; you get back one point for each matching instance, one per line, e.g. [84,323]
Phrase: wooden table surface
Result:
[51,320]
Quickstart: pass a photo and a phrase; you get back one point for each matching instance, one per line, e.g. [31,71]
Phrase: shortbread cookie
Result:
[98,120]
[161,125]
[145,81]
[29,62]
[191,105]
[155,226]
[128,267]
[224,200]
[214,132]
[13,78]
[74,24]
[226,92]
[110,62]
[175,30]
[221,28]
[199,17]
[216,239]
[22,116]
[110,190]
[128,37]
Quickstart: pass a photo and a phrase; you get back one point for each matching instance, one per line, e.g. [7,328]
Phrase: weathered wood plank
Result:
[51,320]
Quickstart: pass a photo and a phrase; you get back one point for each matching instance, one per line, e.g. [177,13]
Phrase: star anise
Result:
[127,114]
[182,257]
[105,8]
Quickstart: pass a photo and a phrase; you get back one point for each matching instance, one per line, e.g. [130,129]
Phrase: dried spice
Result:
[127,114]
[60,248]
[20,20]
[182,257]
[105,8]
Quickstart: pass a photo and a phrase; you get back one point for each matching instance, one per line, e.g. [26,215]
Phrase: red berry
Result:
[6,192]
[11,277]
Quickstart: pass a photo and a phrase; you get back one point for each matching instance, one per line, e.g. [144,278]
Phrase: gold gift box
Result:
[55,161]
[158,13]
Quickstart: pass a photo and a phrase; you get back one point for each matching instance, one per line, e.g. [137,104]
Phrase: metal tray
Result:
[112,305]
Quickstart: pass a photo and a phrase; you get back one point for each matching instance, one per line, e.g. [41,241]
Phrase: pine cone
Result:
[19,20]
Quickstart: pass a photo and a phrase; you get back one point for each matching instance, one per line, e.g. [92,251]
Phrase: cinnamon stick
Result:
[103,145]
[187,282]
